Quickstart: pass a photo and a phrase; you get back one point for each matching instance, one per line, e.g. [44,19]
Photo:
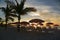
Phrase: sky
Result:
[48,10]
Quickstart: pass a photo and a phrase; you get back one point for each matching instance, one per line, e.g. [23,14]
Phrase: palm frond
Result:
[23,12]
[0,19]
[2,8]
[16,2]
[10,18]
[13,15]
[30,9]
[10,2]
[21,6]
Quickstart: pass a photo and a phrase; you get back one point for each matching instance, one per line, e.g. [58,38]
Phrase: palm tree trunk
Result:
[18,26]
[6,23]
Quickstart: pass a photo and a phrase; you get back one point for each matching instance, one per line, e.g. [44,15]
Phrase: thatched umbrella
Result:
[15,23]
[24,23]
[49,23]
[56,25]
[36,21]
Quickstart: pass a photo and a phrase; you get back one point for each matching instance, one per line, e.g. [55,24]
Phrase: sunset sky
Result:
[48,10]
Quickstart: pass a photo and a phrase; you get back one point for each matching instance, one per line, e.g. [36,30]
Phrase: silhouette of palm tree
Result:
[20,10]
[8,14]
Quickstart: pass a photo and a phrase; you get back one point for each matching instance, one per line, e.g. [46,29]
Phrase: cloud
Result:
[33,14]
[46,9]
[50,16]
[53,4]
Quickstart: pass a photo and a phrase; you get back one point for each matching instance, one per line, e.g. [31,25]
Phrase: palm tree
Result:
[20,10]
[8,14]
